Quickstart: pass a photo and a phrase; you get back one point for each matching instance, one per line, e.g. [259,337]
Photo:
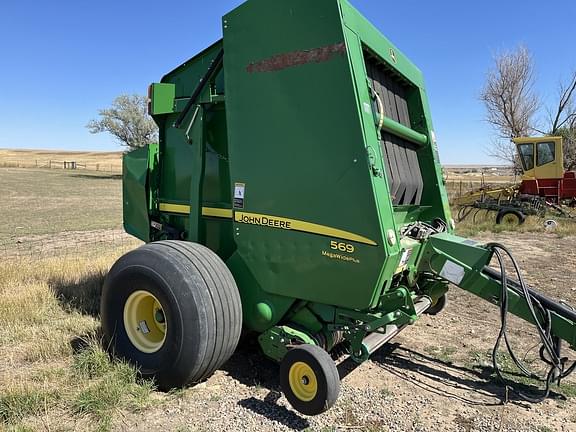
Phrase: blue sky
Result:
[63,60]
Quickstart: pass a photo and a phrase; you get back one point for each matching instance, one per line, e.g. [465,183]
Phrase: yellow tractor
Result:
[545,186]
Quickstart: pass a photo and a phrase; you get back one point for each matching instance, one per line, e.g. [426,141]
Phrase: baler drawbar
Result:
[296,194]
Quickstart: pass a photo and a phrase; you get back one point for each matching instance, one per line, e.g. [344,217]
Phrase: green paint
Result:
[162,98]
[134,193]
[275,341]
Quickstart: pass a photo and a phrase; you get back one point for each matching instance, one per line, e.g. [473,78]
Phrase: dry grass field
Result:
[534,225]
[96,161]
[55,374]
[42,201]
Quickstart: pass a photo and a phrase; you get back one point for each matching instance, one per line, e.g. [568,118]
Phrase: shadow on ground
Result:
[81,295]
[250,367]
[272,411]
[99,176]
[475,385]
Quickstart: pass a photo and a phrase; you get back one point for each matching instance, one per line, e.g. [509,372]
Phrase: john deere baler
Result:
[295,192]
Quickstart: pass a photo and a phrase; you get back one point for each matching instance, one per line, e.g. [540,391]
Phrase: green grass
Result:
[17,403]
[42,201]
[58,371]
[112,384]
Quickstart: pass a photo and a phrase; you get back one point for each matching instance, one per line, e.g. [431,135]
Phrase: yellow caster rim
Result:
[145,322]
[303,382]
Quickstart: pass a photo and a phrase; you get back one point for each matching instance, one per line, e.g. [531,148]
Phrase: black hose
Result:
[549,351]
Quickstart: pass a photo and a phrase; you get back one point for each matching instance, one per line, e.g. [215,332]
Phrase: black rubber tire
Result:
[439,306]
[201,305]
[504,212]
[327,378]
[464,212]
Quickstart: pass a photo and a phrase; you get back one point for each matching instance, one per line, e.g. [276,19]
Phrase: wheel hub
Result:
[303,381]
[145,322]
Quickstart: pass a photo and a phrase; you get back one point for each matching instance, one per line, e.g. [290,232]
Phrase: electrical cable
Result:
[549,350]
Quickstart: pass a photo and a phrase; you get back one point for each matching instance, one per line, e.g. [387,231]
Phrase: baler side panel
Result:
[182,162]
[135,170]
[176,153]
[296,143]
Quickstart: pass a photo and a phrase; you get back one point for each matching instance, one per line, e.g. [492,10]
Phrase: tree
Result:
[512,106]
[128,121]
[563,121]
[569,135]
[508,94]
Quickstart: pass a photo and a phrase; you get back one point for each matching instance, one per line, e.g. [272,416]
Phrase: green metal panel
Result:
[134,193]
[176,150]
[296,142]
[162,98]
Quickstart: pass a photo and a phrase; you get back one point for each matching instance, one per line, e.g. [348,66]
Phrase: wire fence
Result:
[62,244]
[109,167]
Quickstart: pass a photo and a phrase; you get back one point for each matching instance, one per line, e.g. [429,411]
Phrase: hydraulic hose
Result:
[549,351]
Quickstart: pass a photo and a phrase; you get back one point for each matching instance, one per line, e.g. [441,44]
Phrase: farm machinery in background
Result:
[546,189]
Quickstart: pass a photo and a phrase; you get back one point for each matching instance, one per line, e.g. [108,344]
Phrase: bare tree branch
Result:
[509,99]
[566,109]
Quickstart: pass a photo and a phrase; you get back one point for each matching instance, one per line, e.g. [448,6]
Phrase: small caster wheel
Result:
[438,306]
[309,379]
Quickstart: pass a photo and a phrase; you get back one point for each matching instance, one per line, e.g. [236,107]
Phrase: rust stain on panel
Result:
[297,58]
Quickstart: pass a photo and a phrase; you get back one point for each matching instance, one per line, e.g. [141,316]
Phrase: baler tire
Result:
[199,303]
[322,387]
[438,306]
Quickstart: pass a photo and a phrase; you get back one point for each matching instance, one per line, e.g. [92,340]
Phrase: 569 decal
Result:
[342,247]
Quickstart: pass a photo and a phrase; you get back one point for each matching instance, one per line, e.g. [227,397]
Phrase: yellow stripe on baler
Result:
[175,208]
[298,225]
[270,221]
[206,211]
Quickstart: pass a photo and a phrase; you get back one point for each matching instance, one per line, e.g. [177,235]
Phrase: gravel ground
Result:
[434,376]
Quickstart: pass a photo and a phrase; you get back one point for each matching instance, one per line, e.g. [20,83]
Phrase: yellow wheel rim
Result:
[145,322]
[303,382]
